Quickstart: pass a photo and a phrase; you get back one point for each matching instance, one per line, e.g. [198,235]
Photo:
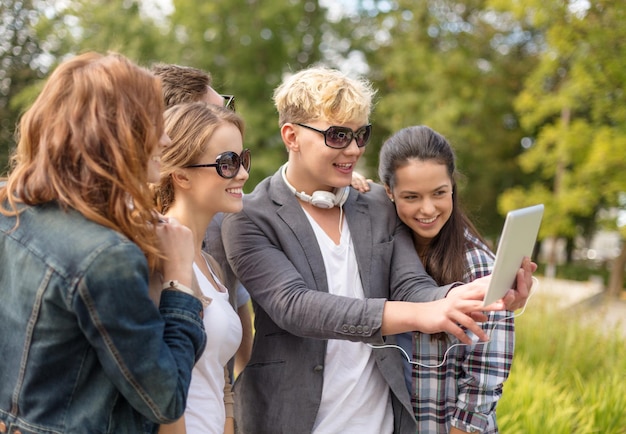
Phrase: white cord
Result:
[445,355]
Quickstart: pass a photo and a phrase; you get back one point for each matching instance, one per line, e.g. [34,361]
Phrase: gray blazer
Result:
[272,248]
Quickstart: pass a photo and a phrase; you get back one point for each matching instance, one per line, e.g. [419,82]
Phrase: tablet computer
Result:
[516,241]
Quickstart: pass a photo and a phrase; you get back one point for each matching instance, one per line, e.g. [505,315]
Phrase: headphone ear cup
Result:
[323,199]
[342,196]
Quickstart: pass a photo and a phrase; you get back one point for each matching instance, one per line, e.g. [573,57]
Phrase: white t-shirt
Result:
[355,396]
[205,413]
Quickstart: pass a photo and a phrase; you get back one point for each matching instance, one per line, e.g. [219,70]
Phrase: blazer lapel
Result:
[290,211]
[360,223]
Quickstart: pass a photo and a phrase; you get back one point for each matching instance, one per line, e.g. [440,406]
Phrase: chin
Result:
[233,207]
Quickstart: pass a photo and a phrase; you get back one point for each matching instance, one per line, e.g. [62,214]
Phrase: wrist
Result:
[177,286]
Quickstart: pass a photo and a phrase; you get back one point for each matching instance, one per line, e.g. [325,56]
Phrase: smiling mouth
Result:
[344,165]
[426,221]
[234,190]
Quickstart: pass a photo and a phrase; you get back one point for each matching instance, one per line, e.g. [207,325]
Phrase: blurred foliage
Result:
[582,271]
[247,55]
[21,65]
[530,94]
[567,375]
[574,103]
[457,68]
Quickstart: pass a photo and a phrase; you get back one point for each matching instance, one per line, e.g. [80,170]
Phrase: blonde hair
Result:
[322,93]
[190,127]
[85,144]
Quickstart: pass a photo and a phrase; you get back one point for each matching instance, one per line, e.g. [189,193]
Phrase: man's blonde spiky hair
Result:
[320,92]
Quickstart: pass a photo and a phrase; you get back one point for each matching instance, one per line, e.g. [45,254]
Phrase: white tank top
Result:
[205,413]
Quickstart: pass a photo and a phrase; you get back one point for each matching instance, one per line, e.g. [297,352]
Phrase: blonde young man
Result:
[330,271]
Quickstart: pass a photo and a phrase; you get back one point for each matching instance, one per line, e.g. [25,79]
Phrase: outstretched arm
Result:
[445,315]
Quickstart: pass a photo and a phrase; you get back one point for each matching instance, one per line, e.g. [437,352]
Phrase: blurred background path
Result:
[585,297]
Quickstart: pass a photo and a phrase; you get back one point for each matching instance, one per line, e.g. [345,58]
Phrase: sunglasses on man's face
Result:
[340,137]
[229,101]
[228,163]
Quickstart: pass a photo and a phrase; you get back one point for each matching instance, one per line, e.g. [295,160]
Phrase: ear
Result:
[289,135]
[181,179]
[389,192]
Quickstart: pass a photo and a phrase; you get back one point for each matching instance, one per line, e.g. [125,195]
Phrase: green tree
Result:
[455,66]
[247,55]
[122,26]
[22,62]
[35,35]
[575,105]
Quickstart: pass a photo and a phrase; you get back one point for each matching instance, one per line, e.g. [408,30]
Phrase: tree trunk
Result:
[616,279]
[551,258]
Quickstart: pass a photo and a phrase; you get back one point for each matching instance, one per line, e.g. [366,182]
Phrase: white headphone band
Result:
[320,198]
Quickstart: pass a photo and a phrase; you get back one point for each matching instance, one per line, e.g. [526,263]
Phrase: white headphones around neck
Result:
[321,198]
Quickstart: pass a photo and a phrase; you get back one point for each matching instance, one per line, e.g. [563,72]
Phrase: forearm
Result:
[484,371]
[229,404]
[147,353]
[245,348]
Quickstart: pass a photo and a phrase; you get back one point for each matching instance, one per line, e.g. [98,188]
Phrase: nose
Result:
[427,207]
[242,174]
[353,148]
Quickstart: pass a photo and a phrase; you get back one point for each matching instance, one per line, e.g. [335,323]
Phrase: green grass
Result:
[568,377]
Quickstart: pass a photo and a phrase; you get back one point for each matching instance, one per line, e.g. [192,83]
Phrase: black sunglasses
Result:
[228,163]
[341,137]
[229,101]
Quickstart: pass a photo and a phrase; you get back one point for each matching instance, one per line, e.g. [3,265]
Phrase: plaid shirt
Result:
[464,390]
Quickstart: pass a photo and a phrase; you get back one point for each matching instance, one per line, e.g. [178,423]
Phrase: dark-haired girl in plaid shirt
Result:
[454,389]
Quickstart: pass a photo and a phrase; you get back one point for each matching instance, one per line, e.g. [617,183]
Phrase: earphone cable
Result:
[445,355]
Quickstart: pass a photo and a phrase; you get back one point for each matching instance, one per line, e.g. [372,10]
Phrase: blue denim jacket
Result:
[83,349]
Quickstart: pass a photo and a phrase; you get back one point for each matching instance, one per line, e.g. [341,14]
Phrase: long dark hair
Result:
[444,258]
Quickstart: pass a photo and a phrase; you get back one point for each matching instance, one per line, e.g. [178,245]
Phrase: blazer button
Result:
[352,329]
[366,329]
[318,368]
[359,329]
[344,328]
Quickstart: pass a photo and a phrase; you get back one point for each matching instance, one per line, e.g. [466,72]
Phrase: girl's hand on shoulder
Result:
[360,183]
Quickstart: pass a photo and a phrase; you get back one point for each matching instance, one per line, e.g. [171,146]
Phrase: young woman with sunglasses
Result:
[185,84]
[203,172]
[84,348]
[453,388]
[330,271]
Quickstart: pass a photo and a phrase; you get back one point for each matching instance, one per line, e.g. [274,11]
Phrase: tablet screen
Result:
[516,241]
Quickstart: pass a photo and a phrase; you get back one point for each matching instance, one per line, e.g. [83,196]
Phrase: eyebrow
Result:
[434,189]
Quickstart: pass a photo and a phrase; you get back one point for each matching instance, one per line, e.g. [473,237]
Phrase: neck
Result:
[196,222]
[300,184]
[421,247]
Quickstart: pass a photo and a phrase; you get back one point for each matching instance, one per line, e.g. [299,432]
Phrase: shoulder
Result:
[376,198]
[215,266]
[71,243]
[478,256]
